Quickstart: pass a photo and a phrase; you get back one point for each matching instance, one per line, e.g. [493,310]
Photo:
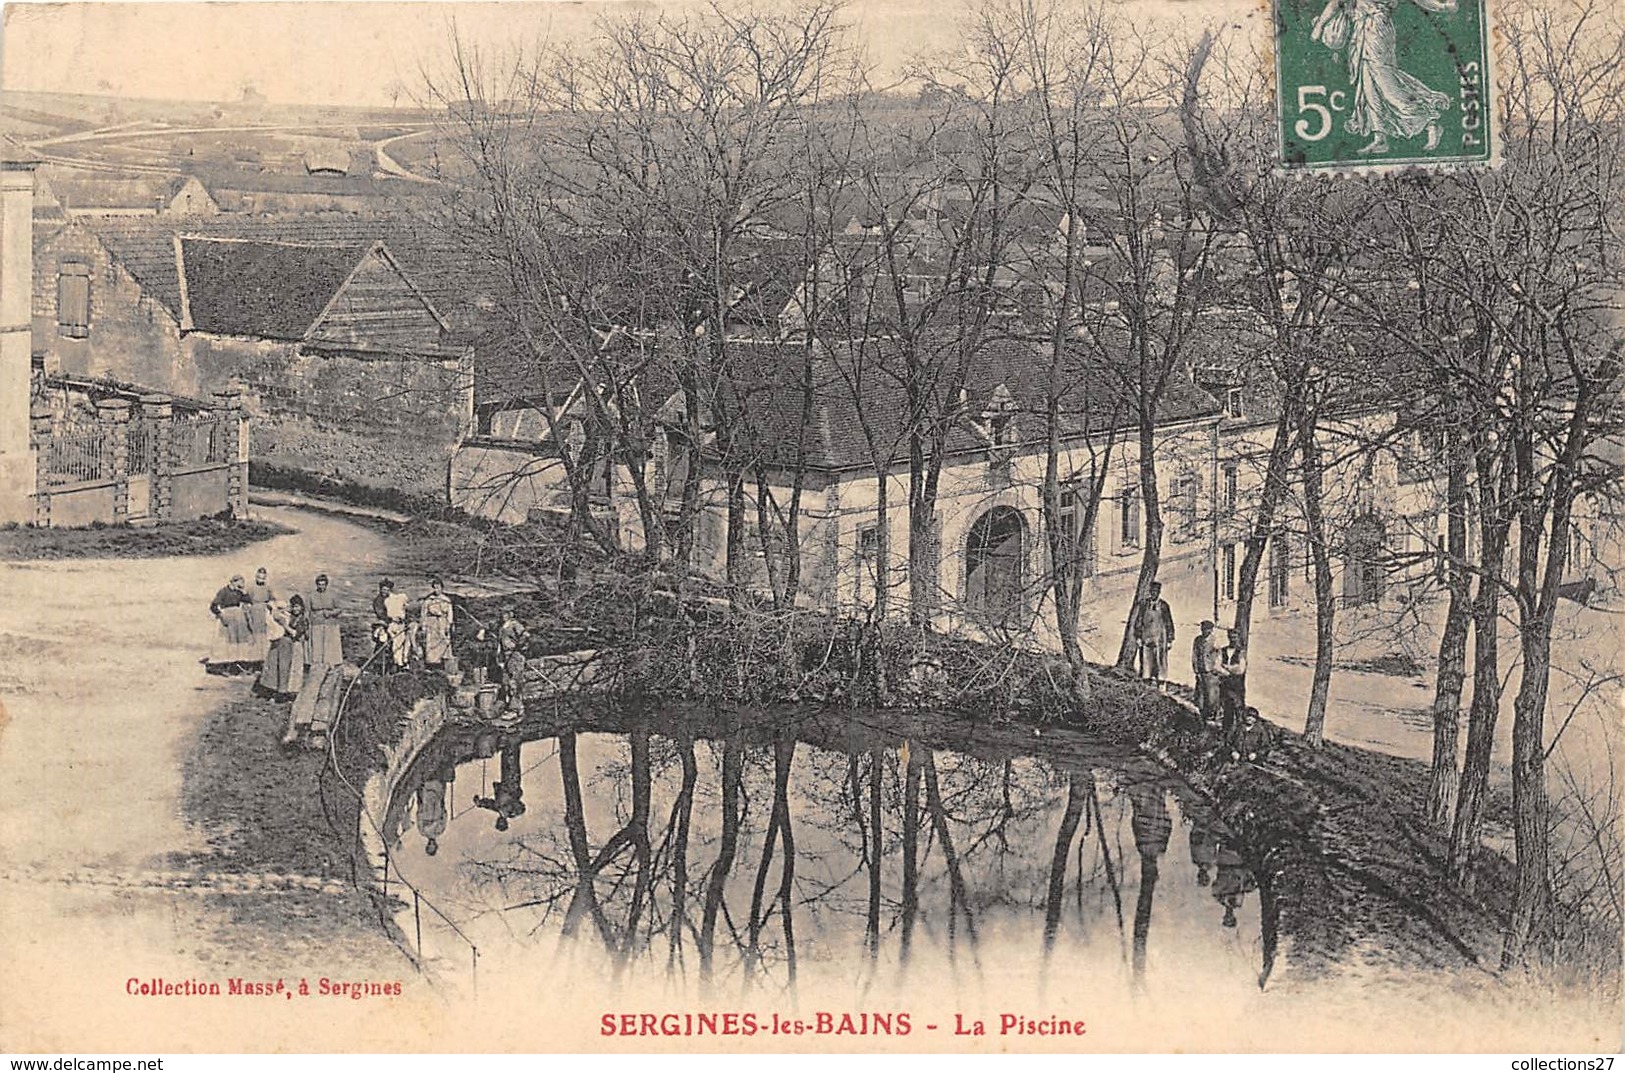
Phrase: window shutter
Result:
[73,300]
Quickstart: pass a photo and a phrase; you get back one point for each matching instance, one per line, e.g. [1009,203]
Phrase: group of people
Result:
[290,644]
[276,639]
[398,639]
[1220,671]
[1221,687]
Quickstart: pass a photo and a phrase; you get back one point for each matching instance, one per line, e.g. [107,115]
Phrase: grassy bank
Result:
[1338,838]
[268,812]
[205,536]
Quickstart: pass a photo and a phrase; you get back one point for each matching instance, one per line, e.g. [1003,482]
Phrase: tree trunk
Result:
[1531,809]
[638,823]
[683,811]
[1484,708]
[717,883]
[1538,585]
[877,848]
[1062,546]
[1314,723]
[1452,672]
[735,573]
[882,563]
[782,596]
[1150,539]
[1269,499]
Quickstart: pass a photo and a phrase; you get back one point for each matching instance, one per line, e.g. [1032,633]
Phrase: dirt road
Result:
[103,696]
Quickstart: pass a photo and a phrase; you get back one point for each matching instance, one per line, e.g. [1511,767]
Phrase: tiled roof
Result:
[266,290]
[454,281]
[309,182]
[859,412]
[87,192]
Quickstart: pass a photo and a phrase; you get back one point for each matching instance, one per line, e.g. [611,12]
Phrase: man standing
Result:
[1205,665]
[1233,694]
[1154,627]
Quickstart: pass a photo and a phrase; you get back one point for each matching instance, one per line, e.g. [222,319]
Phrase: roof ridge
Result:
[184,236]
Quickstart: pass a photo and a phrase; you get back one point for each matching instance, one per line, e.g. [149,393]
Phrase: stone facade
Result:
[384,410]
[16,270]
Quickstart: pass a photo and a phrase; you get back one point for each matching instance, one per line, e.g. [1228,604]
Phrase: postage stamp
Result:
[1383,83]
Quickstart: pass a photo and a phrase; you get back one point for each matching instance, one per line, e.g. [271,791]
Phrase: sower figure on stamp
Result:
[1388,102]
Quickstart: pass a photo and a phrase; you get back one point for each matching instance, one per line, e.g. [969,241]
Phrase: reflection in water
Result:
[1151,825]
[740,855]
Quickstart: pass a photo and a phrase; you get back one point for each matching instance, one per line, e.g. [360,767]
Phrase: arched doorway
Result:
[1364,560]
[995,565]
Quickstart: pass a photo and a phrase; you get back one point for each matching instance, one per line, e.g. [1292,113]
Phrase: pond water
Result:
[830,854]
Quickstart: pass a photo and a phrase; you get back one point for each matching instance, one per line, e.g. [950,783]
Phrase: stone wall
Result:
[386,423]
[133,338]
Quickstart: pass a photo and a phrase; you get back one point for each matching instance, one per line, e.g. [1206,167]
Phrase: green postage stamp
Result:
[1383,83]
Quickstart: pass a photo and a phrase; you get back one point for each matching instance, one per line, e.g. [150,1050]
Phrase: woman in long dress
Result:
[436,613]
[235,645]
[391,632]
[325,647]
[256,608]
[284,671]
[1388,102]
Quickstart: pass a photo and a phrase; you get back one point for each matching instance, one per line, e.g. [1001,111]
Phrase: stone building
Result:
[351,372]
[77,451]
[990,571]
[78,193]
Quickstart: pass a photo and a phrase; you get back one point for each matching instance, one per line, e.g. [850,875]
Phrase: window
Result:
[1183,496]
[1232,402]
[1421,452]
[73,300]
[999,429]
[1079,546]
[1227,575]
[1365,559]
[516,422]
[1232,486]
[995,571]
[1129,510]
[1280,572]
[998,418]
[869,543]
[671,465]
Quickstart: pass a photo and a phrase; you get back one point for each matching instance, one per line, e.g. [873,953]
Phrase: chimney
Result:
[16,335]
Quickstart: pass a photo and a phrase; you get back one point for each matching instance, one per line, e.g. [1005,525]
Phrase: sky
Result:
[357,53]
